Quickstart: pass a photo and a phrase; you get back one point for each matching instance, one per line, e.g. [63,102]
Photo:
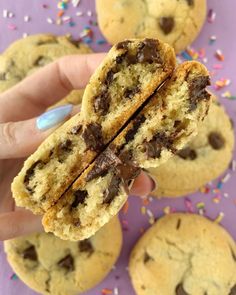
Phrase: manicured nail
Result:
[53,117]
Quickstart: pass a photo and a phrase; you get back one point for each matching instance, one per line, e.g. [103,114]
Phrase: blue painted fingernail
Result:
[53,117]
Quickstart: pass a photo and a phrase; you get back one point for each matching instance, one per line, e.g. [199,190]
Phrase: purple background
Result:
[224,29]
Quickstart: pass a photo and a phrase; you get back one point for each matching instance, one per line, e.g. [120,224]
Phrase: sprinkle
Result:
[226,178]
[125,207]
[71,24]
[205,190]
[219,55]
[26,18]
[125,226]
[25,35]
[149,213]
[79,13]
[167,210]
[219,84]
[87,40]
[75,3]
[151,220]
[106,291]
[5,13]
[60,13]
[66,19]
[145,201]
[45,6]
[143,210]
[186,55]
[188,204]
[219,217]
[89,13]
[13,277]
[62,5]
[219,185]
[100,41]
[217,199]
[212,39]
[211,16]
[217,67]
[226,195]
[49,20]
[233,165]
[116,291]
[201,208]
[12,27]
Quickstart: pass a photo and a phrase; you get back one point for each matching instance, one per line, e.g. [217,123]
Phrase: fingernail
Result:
[154,183]
[53,117]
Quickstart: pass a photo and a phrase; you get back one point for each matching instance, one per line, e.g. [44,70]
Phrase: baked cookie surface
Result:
[53,266]
[206,157]
[184,254]
[176,22]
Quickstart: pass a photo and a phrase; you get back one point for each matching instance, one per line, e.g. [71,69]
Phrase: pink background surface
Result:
[224,29]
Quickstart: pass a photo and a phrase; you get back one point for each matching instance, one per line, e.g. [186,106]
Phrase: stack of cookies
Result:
[139,111]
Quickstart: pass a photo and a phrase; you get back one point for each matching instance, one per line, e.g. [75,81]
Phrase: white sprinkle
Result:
[205,60]
[201,212]
[66,19]
[233,165]
[10,15]
[149,213]
[26,18]
[150,199]
[226,178]
[226,195]
[25,35]
[79,13]
[75,3]
[116,291]
[89,13]
[5,13]
[49,20]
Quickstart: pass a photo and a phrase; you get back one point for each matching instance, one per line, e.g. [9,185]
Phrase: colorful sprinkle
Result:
[212,39]
[211,16]
[219,217]
[12,27]
[189,205]
[219,55]
[14,277]
[106,291]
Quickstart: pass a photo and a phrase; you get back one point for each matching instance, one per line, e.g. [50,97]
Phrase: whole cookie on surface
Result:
[168,120]
[53,266]
[27,55]
[184,254]
[176,22]
[202,160]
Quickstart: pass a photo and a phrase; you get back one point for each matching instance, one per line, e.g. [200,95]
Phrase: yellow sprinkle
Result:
[167,210]
[151,220]
[143,210]
[219,217]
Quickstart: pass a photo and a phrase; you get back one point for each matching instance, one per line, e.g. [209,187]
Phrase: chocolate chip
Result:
[123,45]
[143,287]
[190,2]
[102,164]
[76,129]
[30,253]
[112,190]
[180,290]
[42,61]
[120,58]
[130,92]
[30,172]
[86,246]
[154,147]
[216,140]
[136,124]
[146,258]
[109,77]
[167,24]
[3,76]
[125,156]
[67,263]
[178,224]
[197,91]
[66,146]
[233,254]
[187,154]
[128,171]
[148,52]
[92,136]
[80,197]
[102,103]
[233,290]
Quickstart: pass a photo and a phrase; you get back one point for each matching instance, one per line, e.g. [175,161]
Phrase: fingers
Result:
[44,88]
[143,185]
[19,139]
[18,223]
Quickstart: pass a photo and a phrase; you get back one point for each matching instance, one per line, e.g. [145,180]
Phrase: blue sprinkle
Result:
[219,185]
[14,277]
[87,40]
[87,27]
[186,56]
[101,41]
[71,24]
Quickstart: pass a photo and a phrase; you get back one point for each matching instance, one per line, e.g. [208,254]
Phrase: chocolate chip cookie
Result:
[177,22]
[184,254]
[52,266]
[27,55]
[130,73]
[164,125]
[206,157]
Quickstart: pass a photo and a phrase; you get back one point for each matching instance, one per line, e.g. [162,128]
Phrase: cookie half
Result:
[129,74]
[205,158]
[183,254]
[52,266]
[167,122]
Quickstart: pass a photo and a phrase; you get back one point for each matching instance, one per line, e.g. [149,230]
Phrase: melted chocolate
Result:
[30,253]
[167,24]
[92,136]
[216,140]
[137,123]
[180,290]
[67,263]
[80,197]
[86,246]
[187,154]
[112,190]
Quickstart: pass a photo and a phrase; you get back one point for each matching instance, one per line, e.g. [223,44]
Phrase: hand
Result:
[20,134]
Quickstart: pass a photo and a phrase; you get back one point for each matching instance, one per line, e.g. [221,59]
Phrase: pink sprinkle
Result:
[211,16]
[12,27]
[45,6]
[217,67]
[189,205]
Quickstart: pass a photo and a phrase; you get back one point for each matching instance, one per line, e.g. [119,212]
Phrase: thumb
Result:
[19,139]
